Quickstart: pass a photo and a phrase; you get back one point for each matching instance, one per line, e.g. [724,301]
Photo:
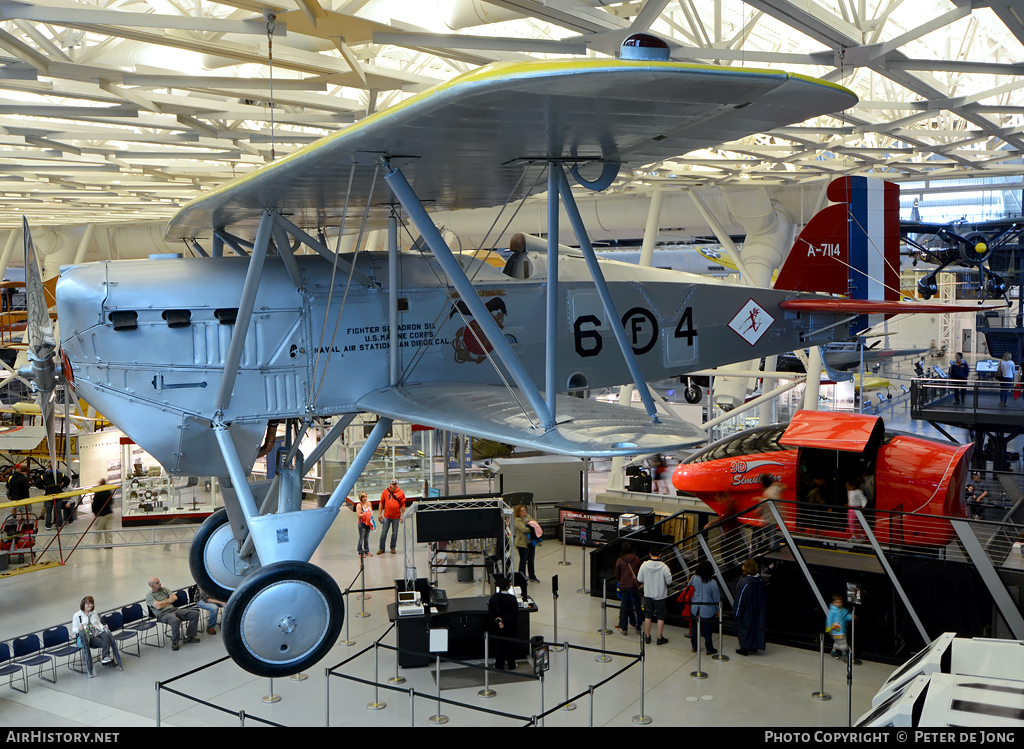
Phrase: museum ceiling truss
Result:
[124,110]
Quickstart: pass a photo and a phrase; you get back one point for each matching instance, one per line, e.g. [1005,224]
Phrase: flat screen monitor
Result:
[457,524]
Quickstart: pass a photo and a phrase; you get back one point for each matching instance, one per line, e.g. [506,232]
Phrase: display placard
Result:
[541,659]
[587,528]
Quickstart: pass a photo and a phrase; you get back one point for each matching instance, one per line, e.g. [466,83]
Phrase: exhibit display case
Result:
[148,496]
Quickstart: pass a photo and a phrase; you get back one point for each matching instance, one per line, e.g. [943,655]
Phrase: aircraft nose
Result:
[81,292]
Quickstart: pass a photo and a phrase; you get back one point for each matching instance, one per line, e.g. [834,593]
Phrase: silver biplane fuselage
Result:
[147,340]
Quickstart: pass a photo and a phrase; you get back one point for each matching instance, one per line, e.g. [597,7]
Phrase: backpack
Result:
[685,598]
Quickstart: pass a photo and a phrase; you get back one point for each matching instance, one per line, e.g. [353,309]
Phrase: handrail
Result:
[897,520]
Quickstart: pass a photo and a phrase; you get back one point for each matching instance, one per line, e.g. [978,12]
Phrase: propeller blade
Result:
[42,344]
[41,340]
[47,406]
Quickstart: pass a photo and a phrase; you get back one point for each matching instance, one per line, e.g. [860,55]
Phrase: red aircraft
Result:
[912,475]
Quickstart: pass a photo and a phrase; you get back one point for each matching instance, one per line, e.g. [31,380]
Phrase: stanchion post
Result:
[486,693]
[362,597]
[698,674]
[584,589]
[412,707]
[271,698]
[591,690]
[362,582]
[568,705]
[604,657]
[438,719]
[642,719]
[376,704]
[720,656]
[821,694]
[604,608]
[327,698]
[348,641]
[554,612]
[849,687]
[241,718]
[396,679]
[541,713]
[565,562]
[158,704]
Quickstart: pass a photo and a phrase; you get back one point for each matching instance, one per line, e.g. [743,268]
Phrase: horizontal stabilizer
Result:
[21,438]
[878,306]
[586,428]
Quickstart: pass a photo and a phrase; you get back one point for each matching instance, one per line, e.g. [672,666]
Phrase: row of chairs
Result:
[130,626]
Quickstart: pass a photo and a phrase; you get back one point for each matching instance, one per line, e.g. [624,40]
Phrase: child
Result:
[854,498]
[837,625]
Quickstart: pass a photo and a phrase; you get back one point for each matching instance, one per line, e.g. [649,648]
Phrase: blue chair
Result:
[115,623]
[57,642]
[28,652]
[135,619]
[11,668]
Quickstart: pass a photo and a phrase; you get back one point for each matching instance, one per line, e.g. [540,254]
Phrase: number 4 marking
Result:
[689,331]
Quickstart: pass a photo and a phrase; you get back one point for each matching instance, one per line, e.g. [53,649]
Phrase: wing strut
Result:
[551,323]
[245,307]
[407,197]
[606,298]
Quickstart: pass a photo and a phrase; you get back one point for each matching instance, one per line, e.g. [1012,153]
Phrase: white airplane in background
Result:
[701,261]
[193,357]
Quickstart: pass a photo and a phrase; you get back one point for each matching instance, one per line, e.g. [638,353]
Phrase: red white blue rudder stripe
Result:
[852,247]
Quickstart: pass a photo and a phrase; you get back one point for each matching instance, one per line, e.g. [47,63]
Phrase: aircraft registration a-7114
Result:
[193,357]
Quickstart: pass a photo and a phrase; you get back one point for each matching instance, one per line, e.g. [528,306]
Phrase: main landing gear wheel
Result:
[213,558]
[693,394]
[283,619]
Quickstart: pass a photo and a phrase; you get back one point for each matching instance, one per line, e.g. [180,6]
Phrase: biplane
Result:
[193,357]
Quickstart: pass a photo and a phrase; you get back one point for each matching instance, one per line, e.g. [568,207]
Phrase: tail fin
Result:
[850,248]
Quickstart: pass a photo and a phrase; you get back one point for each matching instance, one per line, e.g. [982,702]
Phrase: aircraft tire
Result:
[213,558]
[693,394]
[283,618]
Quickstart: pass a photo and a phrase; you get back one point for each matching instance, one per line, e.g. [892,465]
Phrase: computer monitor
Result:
[519,580]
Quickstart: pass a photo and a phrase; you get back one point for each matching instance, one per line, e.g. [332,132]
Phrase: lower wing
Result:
[585,428]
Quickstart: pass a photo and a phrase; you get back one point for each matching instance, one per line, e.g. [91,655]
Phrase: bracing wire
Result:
[436,329]
[352,269]
[334,270]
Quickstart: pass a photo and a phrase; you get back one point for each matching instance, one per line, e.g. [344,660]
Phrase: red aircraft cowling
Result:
[912,475]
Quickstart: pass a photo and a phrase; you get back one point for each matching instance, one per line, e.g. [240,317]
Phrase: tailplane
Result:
[850,248]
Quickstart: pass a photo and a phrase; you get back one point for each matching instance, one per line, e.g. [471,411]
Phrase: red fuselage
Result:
[912,475]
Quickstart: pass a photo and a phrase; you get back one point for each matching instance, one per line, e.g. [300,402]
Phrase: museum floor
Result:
[767,689]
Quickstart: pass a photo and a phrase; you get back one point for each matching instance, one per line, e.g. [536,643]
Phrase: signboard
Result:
[541,659]
[587,528]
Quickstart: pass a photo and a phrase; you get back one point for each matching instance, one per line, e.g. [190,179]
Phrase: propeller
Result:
[42,344]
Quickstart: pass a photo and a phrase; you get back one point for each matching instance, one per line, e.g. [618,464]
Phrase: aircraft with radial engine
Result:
[193,357]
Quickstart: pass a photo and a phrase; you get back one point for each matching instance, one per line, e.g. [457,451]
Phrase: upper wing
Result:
[586,428]
[469,142]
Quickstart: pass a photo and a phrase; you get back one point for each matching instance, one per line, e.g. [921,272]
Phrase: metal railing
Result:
[969,396]
[753,533]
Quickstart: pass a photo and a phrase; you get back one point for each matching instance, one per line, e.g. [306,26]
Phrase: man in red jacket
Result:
[389,513]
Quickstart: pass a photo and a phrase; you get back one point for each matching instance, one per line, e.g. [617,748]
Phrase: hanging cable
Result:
[271,25]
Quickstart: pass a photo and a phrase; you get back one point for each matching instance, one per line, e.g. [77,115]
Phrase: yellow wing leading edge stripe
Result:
[495,73]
